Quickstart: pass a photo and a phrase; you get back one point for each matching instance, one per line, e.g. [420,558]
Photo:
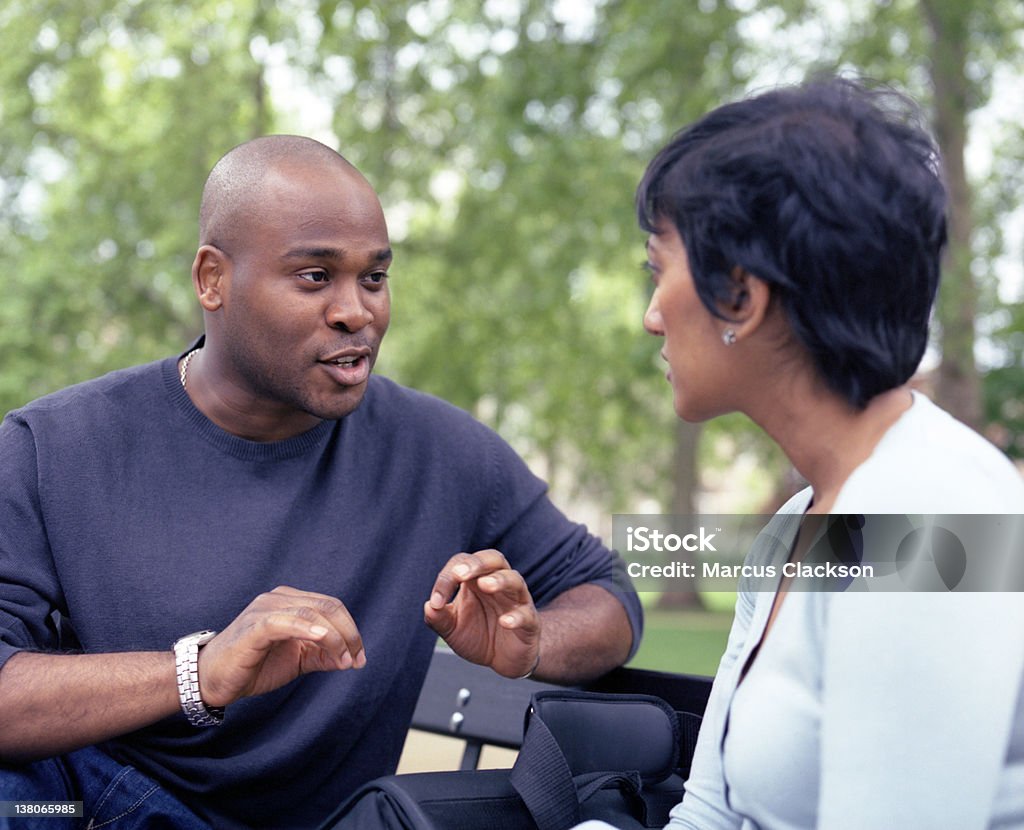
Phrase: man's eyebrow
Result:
[314,253]
[383,255]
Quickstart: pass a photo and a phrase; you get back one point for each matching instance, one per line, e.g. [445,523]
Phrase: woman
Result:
[794,247]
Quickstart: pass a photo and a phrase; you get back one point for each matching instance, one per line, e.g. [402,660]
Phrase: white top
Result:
[874,709]
[772,748]
[928,462]
[862,709]
[774,721]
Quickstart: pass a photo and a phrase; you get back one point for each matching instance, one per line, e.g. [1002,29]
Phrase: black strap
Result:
[542,776]
[543,779]
[590,783]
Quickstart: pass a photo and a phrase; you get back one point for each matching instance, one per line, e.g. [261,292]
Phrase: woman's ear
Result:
[210,275]
[748,304]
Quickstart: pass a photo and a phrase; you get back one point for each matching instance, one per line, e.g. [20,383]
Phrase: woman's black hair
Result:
[830,192]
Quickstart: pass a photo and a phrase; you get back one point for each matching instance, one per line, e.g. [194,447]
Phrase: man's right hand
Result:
[279,636]
[56,703]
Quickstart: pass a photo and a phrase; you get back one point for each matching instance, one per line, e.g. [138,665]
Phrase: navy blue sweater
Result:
[123,508]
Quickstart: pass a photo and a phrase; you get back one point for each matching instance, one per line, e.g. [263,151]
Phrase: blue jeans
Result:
[114,796]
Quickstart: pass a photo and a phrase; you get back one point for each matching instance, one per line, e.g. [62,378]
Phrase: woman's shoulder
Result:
[929,462]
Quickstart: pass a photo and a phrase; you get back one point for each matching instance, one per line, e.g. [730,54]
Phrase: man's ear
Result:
[748,304]
[211,270]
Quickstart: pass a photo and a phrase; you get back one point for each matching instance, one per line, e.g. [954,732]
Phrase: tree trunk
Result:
[684,492]
[958,386]
[261,121]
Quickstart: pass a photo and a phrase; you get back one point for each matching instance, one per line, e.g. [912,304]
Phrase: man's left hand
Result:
[482,608]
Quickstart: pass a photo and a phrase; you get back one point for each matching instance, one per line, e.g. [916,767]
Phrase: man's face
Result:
[305,298]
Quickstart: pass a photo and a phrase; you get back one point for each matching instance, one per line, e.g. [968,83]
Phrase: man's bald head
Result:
[234,197]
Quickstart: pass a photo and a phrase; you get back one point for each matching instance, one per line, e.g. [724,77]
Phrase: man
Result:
[264,486]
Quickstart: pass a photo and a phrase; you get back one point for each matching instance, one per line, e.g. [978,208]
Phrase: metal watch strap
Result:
[186,662]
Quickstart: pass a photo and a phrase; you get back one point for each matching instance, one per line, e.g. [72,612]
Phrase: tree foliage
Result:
[506,140]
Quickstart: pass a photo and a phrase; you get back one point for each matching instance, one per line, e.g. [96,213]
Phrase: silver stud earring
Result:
[729,337]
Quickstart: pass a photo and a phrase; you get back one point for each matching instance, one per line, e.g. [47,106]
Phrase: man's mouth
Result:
[350,368]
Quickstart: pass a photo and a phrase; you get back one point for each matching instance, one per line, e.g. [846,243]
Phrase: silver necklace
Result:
[183,374]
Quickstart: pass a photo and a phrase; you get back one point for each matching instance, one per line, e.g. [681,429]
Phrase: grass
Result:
[683,641]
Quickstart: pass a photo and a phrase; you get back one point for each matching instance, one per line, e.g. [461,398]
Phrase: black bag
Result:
[619,758]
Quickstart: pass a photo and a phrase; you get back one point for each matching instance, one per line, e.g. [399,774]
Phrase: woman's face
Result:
[698,360]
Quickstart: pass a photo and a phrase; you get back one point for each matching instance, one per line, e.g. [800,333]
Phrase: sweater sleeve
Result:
[552,553]
[29,587]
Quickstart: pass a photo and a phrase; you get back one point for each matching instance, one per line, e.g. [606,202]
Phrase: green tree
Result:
[506,141]
[112,113]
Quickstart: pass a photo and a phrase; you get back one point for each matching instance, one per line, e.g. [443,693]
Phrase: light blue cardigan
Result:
[921,694]
[920,690]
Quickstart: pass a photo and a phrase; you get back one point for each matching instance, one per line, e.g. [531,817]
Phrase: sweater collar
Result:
[231,444]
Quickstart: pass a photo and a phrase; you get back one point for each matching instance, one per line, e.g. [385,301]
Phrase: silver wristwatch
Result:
[186,661]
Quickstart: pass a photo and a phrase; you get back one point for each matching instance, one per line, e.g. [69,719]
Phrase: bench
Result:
[463,700]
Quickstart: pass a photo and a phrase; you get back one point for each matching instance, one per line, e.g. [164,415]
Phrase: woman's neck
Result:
[824,437]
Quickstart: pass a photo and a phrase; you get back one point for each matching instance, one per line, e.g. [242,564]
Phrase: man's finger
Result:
[448,580]
[507,583]
[294,614]
[342,634]
[336,632]
[462,568]
[441,620]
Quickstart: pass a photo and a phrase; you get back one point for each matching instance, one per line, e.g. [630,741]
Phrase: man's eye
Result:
[377,278]
[314,276]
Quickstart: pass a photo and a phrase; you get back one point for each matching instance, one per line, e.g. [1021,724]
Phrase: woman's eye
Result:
[651,283]
[314,276]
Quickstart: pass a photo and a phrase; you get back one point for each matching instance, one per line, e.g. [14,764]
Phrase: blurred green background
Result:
[683,641]
[506,139]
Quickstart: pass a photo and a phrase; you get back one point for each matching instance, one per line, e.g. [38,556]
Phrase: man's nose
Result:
[346,309]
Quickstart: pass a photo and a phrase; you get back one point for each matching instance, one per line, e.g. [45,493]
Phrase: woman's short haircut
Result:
[830,192]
